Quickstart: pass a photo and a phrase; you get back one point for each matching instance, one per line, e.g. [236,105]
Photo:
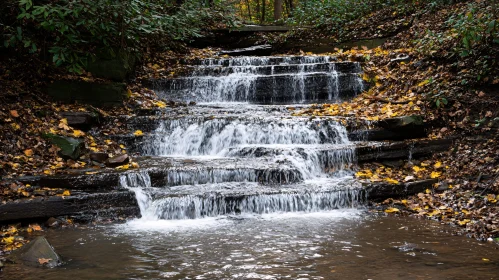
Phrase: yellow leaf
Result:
[492,198]
[108,141]
[464,222]
[8,240]
[391,181]
[435,174]
[28,152]
[122,146]
[138,133]
[160,104]
[392,210]
[438,164]
[465,211]
[35,227]
[427,191]
[15,126]
[78,133]
[135,165]
[416,169]
[123,167]
[423,83]
[66,193]
[485,259]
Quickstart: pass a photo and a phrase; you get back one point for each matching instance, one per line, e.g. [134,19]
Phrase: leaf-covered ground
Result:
[422,71]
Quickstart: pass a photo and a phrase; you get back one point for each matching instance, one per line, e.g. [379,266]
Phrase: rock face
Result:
[99,157]
[98,94]
[117,68]
[81,120]
[38,253]
[70,147]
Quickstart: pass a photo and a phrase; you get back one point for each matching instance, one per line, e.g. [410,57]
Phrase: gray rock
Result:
[81,120]
[38,253]
[118,160]
[99,157]
[70,147]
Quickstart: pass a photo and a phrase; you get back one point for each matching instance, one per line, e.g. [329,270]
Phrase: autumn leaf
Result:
[438,164]
[138,133]
[43,261]
[435,174]
[14,113]
[78,133]
[8,240]
[66,193]
[28,152]
[391,181]
[392,210]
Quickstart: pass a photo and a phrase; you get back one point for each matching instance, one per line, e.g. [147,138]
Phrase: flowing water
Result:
[248,192]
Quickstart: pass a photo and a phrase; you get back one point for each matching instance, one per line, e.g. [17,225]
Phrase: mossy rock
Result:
[118,67]
[70,147]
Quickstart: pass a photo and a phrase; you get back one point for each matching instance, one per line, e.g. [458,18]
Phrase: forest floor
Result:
[412,73]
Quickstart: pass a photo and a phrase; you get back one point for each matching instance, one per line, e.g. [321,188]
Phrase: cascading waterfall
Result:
[258,163]
[266,80]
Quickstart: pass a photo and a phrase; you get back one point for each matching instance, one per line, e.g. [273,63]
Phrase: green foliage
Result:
[465,32]
[73,31]
[474,28]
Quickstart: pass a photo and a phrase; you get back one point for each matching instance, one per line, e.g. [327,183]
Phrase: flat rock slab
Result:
[60,206]
[254,51]
[381,191]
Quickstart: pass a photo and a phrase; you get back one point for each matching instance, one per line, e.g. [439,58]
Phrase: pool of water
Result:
[340,244]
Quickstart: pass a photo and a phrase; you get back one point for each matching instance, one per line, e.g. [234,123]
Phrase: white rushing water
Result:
[259,163]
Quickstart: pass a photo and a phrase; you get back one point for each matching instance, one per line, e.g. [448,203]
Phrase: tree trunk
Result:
[258,12]
[262,20]
[277,9]
[291,8]
[249,9]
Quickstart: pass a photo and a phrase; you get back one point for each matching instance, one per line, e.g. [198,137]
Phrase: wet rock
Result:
[118,160]
[401,122]
[99,157]
[81,120]
[52,222]
[70,147]
[38,252]
[255,50]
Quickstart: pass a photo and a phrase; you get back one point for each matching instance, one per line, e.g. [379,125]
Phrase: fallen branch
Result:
[388,101]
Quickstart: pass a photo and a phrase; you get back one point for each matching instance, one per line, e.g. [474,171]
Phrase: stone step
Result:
[339,67]
[242,198]
[122,203]
[258,61]
[258,89]
[173,171]
[114,203]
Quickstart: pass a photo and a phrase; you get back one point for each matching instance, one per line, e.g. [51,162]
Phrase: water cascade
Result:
[252,157]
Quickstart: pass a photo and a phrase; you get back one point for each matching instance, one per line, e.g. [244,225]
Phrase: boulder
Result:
[116,67]
[81,120]
[38,253]
[118,160]
[70,147]
[99,157]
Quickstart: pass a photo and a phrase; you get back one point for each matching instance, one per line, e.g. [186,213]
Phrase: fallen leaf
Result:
[392,210]
[28,152]
[138,133]
[43,261]
[14,113]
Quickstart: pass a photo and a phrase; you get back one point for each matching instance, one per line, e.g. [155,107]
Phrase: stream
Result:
[246,191]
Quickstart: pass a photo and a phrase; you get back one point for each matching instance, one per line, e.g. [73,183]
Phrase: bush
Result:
[73,31]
